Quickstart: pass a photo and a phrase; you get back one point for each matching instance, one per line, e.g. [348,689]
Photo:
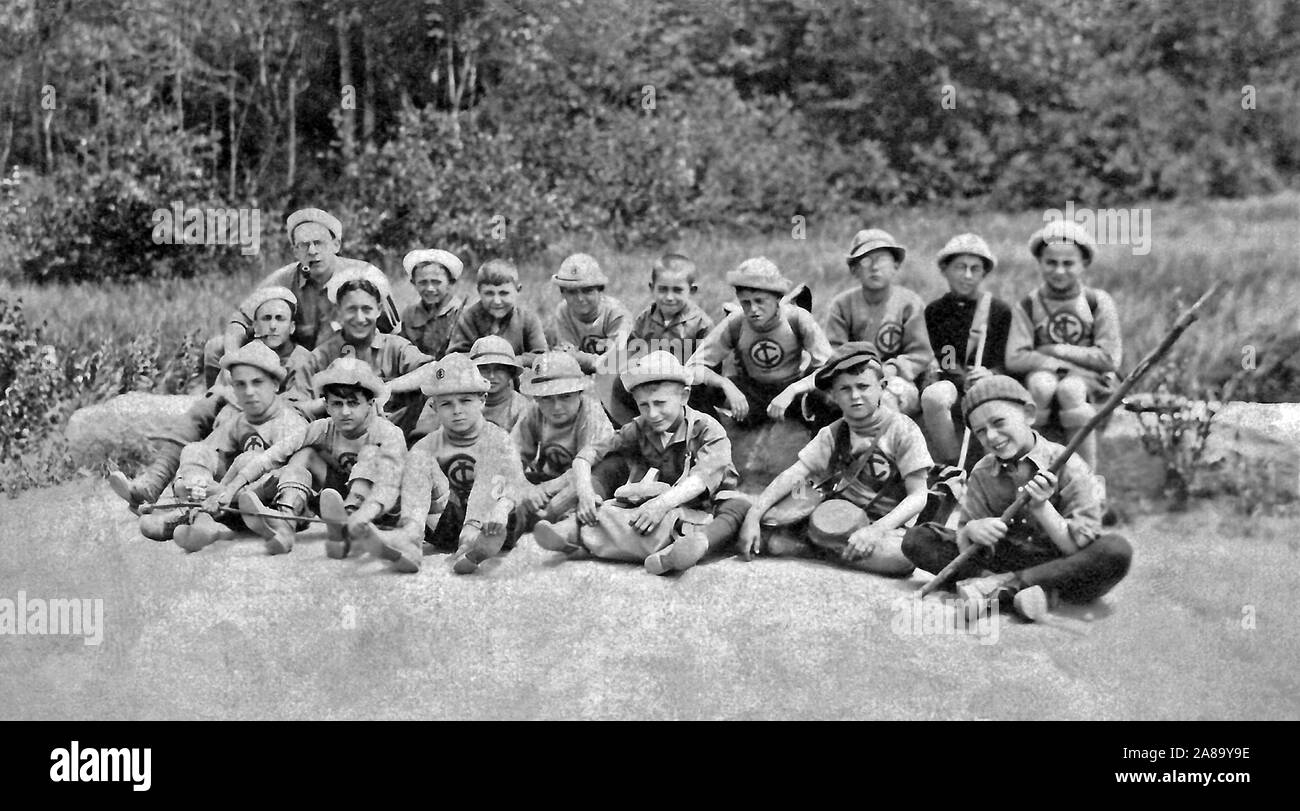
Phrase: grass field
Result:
[1252,243]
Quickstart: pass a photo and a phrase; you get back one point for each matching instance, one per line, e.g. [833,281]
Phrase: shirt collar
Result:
[678,434]
[687,313]
[1037,456]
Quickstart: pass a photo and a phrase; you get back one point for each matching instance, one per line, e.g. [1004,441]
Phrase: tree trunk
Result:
[291,161]
[348,118]
[368,89]
[233,134]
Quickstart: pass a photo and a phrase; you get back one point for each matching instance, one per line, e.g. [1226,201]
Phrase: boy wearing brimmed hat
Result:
[588,323]
[1054,547]
[241,451]
[270,309]
[498,312]
[354,451]
[562,420]
[872,457]
[504,406]
[671,523]
[316,237]
[427,323]
[459,484]
[882,313]
[768,338]
[1065,338]
[956,322]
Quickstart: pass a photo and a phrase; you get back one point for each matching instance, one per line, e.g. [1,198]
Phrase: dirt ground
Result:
[1202,629]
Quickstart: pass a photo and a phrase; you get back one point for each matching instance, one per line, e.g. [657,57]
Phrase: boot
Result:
[979,593]
[405,554]
[278,533]
[125,489]
[204,531]
[475,550]
[689,545]
[559,537]
[333,510]
[162,525]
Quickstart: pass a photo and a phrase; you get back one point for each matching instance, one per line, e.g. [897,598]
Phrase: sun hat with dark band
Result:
[317,216]
[437,256]
[759,273]
[994,387]
[972,244]
[1063,232]
[555,373]
[656,367]
[873,239]
[351,372]
[580,270]
[259,356]
[845,357]
[455,374]
[493,349]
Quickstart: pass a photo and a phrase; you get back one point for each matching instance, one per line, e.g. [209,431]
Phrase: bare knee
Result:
[1072,392]
[1042,385]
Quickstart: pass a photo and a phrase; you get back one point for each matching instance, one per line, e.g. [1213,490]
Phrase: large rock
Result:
[120,425]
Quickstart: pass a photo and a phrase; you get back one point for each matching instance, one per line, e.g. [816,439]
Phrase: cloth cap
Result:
[759,273]
[455,374]
[580,270]
[656,367]
[994,387]
[447,259]
[493,349]
[368,273]
[351,372]
[972,244]
[259,356]
[846,356]
[248,307]
[315,215]
[555,373]
[870,239]
[1058,231]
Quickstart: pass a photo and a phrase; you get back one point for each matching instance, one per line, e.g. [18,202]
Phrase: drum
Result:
[834,521]
[795,507]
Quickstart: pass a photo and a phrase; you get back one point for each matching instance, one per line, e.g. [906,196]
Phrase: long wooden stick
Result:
[979,361]
[1184,321]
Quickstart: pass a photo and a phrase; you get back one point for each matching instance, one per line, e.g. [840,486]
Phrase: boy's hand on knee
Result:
[861,544]
[981,531]
[736,401]
[649,515]
[779,405]
[587,506]
[750,540]
[537,498]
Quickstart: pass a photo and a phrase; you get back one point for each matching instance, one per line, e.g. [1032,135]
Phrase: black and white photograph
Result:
[624,360]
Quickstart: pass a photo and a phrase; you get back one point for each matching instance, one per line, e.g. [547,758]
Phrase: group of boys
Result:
[457,428]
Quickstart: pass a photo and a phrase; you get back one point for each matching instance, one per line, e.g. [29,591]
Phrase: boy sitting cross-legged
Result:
[1052,549]
[872,457]
[562,420]
[768,338]
[459,484]
[243,450]
[354,450]
[675,521]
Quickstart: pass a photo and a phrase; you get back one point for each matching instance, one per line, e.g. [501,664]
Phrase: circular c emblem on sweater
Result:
[889,338]
[346,461]
[767,354]
[879,467]
[460,473]
[1065,327]
[254,442]
[593,345]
